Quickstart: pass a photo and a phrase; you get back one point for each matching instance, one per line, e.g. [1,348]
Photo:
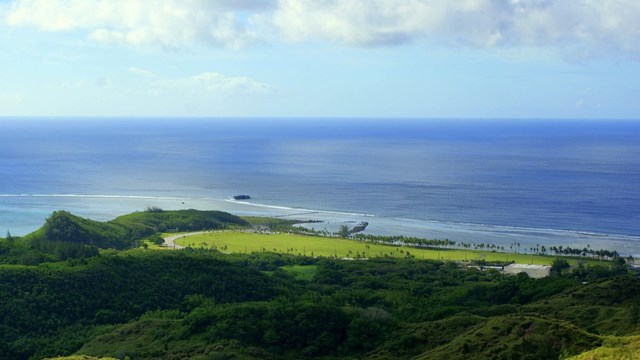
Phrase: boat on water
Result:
[242,197]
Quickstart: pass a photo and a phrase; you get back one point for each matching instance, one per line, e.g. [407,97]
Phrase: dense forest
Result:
[202,304]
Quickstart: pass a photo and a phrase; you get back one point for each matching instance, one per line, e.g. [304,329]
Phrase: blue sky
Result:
[309,58]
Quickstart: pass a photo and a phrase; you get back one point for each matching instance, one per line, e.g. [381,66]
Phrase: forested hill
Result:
[69,288]
[156,220]
[200,304]
[65,236]
[52,309]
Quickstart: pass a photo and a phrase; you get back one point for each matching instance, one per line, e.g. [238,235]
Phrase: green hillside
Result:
[501,337]
[382,309]
[201,304]
[67,236]
[153,221]
[82,299]
[52,309]
[613,348]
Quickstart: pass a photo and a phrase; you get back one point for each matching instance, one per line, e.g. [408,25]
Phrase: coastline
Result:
[35,208]
[481,182]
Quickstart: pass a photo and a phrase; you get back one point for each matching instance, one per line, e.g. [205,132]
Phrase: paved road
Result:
[170,241]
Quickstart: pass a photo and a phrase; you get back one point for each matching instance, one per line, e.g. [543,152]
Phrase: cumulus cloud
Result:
[583,27]
[166,23]
[588,26]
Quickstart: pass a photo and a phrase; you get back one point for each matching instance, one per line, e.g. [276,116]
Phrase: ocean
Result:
[571,183]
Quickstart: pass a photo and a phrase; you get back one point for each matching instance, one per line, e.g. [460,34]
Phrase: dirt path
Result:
[170,241]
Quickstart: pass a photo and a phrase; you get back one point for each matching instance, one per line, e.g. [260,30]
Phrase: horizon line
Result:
[304,117]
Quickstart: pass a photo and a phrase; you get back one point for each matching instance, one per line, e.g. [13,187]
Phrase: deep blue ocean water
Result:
[556,182]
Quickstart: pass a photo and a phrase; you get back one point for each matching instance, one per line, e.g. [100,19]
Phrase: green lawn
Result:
[152,246]
[243,242]
[301,272]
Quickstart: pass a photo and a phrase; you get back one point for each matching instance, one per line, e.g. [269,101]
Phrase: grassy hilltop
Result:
[67,236]
[204,304]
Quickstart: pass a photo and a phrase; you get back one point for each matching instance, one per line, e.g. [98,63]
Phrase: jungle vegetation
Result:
[106,299]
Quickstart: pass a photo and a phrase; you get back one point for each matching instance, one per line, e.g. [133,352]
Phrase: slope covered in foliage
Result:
[51,309]
[203,304]
[66,236]
[613,348]
[142,224]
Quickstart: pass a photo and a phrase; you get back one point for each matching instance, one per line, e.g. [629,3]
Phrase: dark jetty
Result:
[360,227]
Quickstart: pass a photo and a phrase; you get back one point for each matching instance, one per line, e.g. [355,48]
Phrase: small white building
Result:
[534,271]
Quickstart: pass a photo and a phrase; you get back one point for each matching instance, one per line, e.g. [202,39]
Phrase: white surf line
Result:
[95,196]
[287,208]
[170,241]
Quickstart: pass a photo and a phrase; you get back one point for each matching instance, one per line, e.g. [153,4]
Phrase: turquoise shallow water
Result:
[555,182]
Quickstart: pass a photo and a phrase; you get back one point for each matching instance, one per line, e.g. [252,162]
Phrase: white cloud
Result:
[586,26]
[576,27]
[207,82]
[216,82]
[141,72]
[165,23]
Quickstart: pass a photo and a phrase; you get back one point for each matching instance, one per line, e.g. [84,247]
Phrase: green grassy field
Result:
[243,242]
[301,272]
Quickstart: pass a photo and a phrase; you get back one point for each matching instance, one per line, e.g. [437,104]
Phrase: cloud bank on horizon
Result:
[578,28]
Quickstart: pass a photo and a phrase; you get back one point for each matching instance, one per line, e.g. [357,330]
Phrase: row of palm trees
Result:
[569,251]
[515,247]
